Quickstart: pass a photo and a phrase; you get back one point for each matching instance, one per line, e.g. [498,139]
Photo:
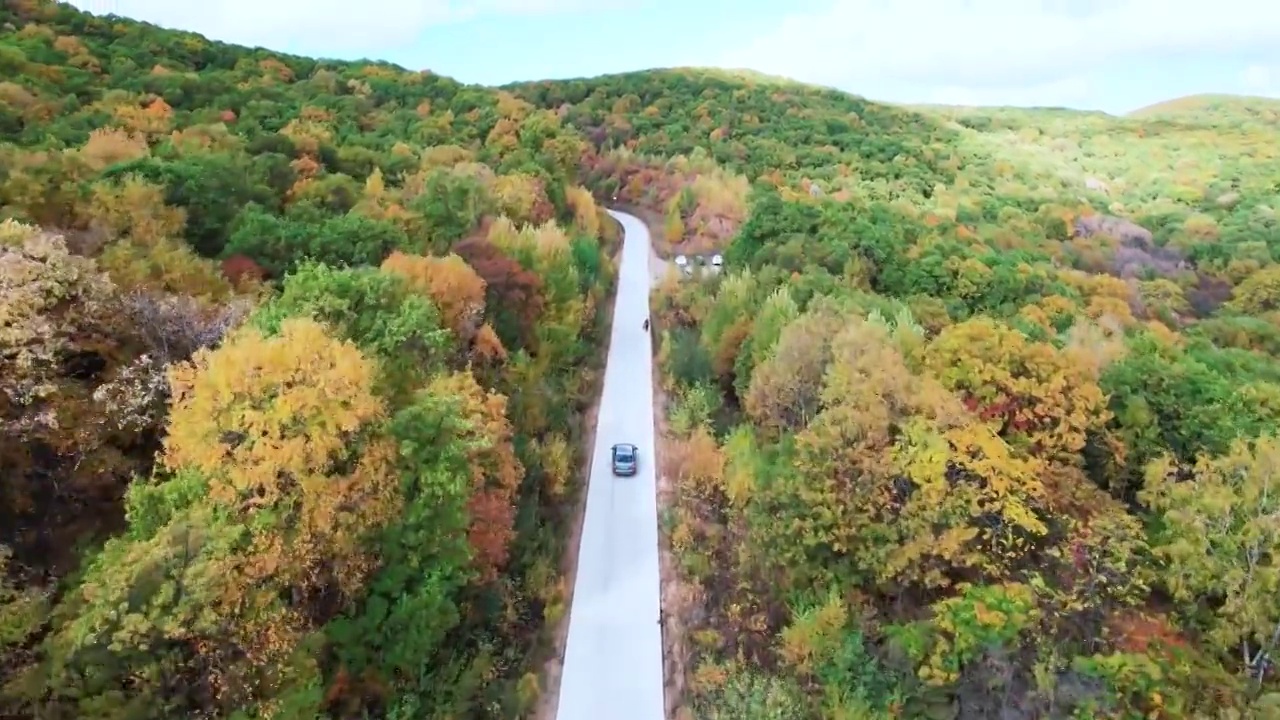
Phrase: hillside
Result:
[1229,109]
[980,420]
[294,358]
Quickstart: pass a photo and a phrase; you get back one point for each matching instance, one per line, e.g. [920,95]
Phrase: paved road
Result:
[613,656]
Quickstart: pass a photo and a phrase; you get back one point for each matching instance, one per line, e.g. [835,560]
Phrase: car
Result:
[626,457]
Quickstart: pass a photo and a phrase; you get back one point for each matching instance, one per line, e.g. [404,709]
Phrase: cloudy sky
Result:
[1112,55]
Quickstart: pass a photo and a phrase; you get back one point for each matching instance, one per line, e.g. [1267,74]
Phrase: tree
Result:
[108,146]
[451,284]
[63,336]
[495,471]
[514,296]
[288,423]
[145,250]
[895,479]
[211,188]
[1260,292]
[378,312]
[278,473]
[1221,523]
[778,309]
[135,208]
[400,629]
[785,390]
[450,206]
[1027,391]
[279,243]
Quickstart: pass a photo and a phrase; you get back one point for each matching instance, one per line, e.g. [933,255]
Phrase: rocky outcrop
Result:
[1126,231]
[1136,252]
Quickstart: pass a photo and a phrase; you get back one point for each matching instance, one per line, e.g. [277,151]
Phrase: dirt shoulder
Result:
[553,667]
[675,599]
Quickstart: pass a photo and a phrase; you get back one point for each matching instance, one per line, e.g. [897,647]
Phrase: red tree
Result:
[514,296]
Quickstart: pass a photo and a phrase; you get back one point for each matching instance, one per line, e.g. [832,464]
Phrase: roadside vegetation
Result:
[292,359]
[980,420]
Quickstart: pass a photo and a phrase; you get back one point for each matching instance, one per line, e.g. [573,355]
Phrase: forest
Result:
[297,358]
[980,421]
[294,359]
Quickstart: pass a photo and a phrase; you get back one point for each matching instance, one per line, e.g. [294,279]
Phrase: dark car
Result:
[625,459]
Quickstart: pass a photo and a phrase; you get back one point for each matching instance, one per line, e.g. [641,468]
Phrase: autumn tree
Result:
[1260,292]
[915,491]
[495,471]
[108,146]
[451,284]
[1028,391]
[586,215]
[514,296]
[786,388]
[730,321]
[238,554]
[778,309]
[377,311]
[145,249]
[1221,521]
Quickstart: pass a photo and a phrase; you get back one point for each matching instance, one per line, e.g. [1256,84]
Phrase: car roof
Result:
[628,446]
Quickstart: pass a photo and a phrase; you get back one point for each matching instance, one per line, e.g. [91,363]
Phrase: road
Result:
[613,653]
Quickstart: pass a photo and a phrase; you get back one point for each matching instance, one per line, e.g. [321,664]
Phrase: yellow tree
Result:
[898,480]
[286,427]
[145,249]
[523,199]
[376,201]
[153,119]
[450,282]
[1259,293]
[1027,391]
[108,146]
[586,214]
[279,470]
[135,208]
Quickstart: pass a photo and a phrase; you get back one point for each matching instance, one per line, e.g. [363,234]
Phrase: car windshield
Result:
[625,453]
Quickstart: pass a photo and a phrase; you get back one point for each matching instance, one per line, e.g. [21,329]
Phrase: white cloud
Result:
[1068,92]
[1261,79]
[1001,47]
[335,27]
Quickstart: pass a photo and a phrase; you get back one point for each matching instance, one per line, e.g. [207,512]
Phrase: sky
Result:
[1110,55]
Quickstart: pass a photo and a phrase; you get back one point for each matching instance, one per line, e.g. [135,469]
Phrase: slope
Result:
[1228,108]
[292,368]
[984,429]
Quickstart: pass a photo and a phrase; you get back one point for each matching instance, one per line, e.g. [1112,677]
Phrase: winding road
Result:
[613,654]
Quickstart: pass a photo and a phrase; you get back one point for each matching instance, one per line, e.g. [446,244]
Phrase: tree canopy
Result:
[262,321]
[978,421]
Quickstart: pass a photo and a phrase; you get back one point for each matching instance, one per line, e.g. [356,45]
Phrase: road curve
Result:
[613,654]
